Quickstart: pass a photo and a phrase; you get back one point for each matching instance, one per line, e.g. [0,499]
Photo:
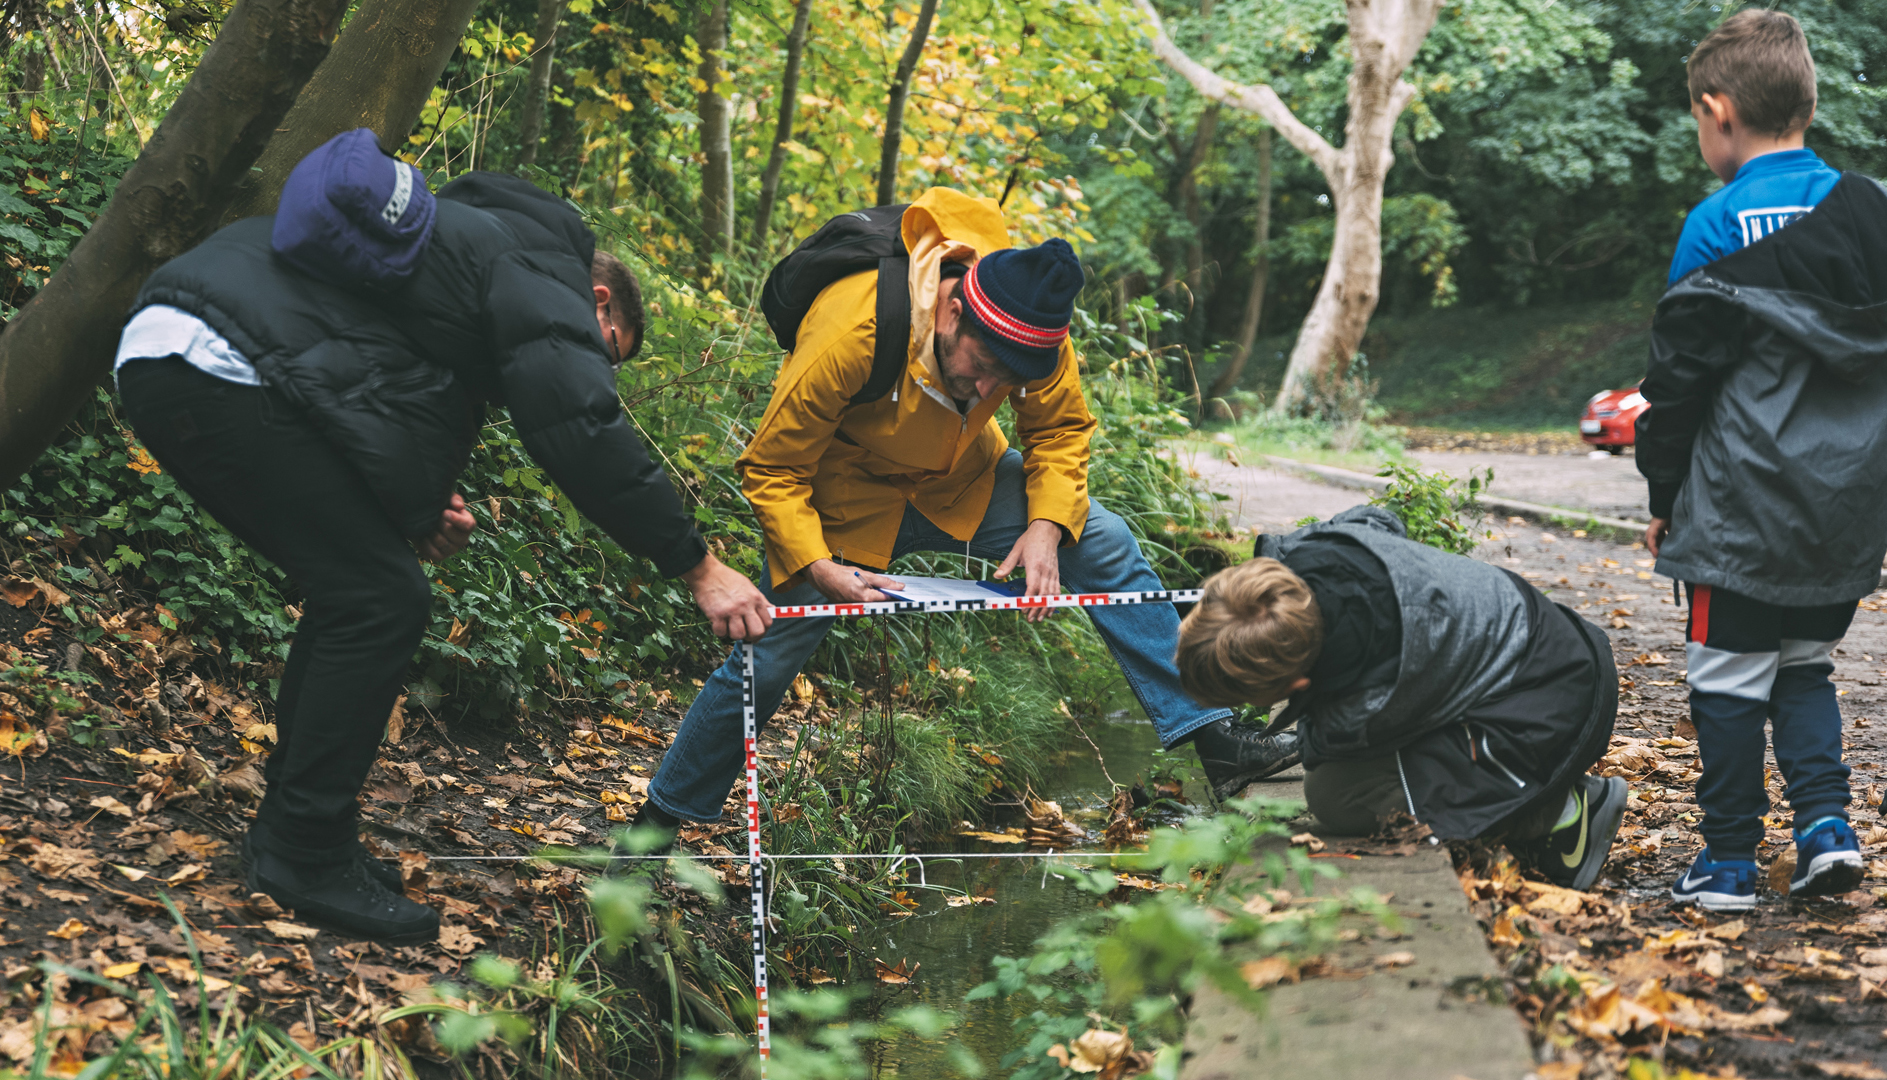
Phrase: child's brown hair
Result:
[1256,631]
[1759,60]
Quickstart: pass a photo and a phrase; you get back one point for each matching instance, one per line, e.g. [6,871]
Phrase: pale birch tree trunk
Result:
[1384,37]
[717,175]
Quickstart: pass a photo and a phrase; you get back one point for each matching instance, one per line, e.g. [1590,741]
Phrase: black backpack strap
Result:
[891,352]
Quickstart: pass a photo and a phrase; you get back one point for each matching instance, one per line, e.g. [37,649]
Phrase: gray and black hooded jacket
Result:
[1765,442]
[1500,695]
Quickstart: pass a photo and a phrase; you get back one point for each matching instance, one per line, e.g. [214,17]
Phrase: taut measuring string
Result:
[996,602]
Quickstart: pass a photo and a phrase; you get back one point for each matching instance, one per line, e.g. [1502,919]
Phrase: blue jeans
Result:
[706,759]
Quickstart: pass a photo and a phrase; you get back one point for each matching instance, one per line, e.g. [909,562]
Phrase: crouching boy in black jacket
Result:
[1420,682]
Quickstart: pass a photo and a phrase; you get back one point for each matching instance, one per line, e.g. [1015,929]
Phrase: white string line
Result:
[766,855]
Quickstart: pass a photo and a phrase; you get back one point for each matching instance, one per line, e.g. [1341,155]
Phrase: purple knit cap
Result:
[352,214]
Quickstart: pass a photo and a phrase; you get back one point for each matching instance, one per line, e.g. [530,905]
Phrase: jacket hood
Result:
[1817,282]
[352,214]
[504,192]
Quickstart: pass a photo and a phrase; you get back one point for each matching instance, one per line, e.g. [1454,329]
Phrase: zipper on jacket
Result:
[1401,772]
[1489,751]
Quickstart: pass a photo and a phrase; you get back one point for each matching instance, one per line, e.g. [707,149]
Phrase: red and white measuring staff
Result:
[763,1028]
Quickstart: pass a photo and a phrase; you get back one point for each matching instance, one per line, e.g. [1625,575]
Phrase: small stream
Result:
[955,944]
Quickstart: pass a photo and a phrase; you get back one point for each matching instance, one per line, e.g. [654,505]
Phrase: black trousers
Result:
[271,479]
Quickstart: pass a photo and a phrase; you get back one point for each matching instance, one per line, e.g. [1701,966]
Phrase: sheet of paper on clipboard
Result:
[932,589]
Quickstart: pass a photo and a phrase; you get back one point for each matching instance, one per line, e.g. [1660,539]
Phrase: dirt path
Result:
[1820,962]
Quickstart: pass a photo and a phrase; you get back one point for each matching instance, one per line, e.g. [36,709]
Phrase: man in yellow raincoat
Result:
[843,489]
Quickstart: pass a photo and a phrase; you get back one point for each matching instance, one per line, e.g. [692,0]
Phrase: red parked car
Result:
[1611,419]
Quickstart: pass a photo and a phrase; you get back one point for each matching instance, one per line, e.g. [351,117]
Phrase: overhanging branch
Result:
[1259,99]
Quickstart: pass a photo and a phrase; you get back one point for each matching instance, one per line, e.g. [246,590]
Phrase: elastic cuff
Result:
[266,837]
[684,556]
[1816,817]
[1664,498]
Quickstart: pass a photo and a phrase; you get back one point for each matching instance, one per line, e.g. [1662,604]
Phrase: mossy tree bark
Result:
[717,144]
[60,345]
[537,88]
[382,70]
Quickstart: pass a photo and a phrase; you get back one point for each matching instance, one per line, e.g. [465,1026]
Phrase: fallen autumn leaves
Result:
[1619,974]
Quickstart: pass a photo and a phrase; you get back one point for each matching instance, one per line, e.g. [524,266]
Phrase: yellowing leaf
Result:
[70,929]
[289,931]
[110,806]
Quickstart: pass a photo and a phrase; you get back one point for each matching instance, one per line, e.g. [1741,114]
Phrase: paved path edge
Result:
[1440,1017]
[1552,515]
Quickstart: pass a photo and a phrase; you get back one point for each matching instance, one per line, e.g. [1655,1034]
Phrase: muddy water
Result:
[954,944]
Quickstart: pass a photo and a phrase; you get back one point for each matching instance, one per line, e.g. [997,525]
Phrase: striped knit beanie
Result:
[1023,300]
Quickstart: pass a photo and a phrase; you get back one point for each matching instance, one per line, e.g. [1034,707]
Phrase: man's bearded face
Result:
[964,362]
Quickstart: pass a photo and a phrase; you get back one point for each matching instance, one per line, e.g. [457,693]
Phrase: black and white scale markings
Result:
[763,1028]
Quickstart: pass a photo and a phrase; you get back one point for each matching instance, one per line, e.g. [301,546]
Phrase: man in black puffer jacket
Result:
[316,380]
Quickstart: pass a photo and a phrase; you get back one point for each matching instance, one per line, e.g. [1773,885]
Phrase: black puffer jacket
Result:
[499,311]
[1766,437]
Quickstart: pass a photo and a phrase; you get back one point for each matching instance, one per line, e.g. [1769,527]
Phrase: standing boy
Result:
[1766,452]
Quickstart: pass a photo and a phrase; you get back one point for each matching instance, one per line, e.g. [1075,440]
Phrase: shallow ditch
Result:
[950,947]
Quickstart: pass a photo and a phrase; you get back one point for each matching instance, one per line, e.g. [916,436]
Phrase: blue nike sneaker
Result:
[1827,859]
[1717,886]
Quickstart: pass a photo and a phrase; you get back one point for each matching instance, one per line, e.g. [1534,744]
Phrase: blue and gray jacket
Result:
[1765,443]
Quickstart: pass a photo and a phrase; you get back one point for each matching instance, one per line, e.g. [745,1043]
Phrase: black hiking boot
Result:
[343,897]
[1235,756]
[380,871]
[648,816]
[1572,855]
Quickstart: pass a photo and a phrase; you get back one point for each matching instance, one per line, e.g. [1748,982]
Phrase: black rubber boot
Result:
[1235,756]
[344,897]
[647,815]
[380,871]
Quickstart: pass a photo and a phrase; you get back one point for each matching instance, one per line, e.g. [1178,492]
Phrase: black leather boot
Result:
[1234,756]
[381,872]
[344,897]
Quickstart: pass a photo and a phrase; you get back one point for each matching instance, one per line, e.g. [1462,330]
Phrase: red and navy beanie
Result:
[1023,300]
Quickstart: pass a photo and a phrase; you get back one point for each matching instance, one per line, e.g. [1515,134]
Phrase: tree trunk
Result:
[61,343]
[717,175]
[1260,272]
[382,69]
[1189,204]
[894,108]
[1384,37]
[537,89]
[782,131]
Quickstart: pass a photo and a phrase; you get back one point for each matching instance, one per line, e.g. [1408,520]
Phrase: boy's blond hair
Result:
[1759,60]
[1256,631]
